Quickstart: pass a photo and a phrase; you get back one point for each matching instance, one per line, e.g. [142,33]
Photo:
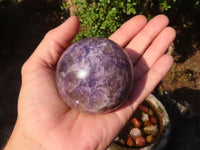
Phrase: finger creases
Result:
[157,48]
[128,30]
[144,38]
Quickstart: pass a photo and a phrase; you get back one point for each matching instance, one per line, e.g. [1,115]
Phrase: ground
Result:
[182,83]
[24,25]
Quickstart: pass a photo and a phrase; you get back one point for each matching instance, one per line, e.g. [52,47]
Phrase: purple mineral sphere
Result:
[94,75]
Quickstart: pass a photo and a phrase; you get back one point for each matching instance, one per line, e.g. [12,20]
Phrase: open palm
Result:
[46,122]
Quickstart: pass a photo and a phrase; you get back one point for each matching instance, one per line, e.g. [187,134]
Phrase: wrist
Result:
[19,140]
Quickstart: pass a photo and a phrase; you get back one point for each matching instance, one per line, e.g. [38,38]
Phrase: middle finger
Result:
[143,39]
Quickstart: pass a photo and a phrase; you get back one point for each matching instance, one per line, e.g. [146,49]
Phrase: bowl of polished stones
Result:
[147,129]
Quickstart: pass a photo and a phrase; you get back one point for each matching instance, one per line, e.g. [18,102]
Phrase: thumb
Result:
[55,42]
[38,80]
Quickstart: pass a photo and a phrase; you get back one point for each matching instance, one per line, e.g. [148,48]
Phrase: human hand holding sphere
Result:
[45,121]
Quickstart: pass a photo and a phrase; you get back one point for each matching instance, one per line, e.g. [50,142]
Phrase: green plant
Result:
[64,6]
[164,5]
[100,18]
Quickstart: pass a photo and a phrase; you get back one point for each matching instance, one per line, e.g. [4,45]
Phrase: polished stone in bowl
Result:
[94,75]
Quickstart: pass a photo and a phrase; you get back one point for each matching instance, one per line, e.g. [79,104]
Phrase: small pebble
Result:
[147,123]
[150,138]
[151,112]
[136,122]
[122,141]
[130,142]
[144,109]
[140,141]
[145,117]
[153,120]
[135,132]
[151,129]
[116,139]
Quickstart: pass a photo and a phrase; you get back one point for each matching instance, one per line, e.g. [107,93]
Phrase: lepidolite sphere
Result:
[94,75]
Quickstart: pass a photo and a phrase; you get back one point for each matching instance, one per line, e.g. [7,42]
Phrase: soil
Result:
[24,24]
[182,83]
[179,90]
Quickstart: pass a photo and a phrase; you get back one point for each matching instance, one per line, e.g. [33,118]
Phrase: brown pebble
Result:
[136,122]
[130,142]
[153,120]
[144,109]
[147,123]
[122,141]
[151,112]
[140,141]
[150,138]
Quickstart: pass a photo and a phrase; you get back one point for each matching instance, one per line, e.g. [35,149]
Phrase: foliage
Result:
[64,6]
[100,18]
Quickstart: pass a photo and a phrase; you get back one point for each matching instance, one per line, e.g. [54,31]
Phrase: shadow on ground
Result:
[185,123]
[186,95]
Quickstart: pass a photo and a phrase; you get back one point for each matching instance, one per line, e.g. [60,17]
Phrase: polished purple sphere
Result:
[94,75]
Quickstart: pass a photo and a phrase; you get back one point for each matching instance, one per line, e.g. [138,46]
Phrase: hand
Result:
[45,122]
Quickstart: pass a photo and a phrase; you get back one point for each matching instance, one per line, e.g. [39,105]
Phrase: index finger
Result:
[128,30]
